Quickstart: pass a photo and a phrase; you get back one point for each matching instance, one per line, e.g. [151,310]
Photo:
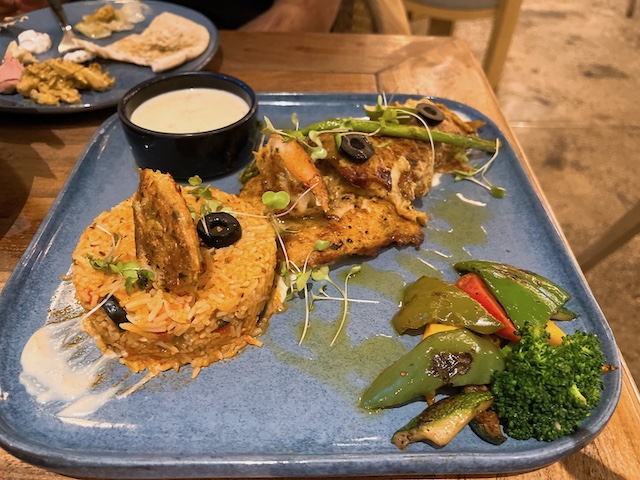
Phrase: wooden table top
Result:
[38,153]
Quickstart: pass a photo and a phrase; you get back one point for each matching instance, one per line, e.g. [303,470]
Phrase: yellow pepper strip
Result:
[556,334]
[435,328]
[552,328]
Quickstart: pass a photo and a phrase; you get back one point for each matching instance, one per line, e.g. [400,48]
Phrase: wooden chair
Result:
[627,227]
[444,13]
[389,17]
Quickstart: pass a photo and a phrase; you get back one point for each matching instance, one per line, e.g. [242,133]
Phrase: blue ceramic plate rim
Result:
[19,440]
[126,75]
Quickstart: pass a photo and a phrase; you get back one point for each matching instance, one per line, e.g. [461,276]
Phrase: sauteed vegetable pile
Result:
[492,340]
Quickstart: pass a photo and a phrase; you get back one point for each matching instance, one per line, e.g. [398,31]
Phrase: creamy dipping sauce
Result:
[191,110]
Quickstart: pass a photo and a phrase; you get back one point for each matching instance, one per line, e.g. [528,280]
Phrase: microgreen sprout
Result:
[276,200]
[414,113]
[306,306]
[321,274]
[295,121]
[389,114]
[323,295]
[130,271]
[268,128]
[345,306]
[497,192]
[199,192]
[302,278]
[280,200]
[209,204]
[296,279]
[318,151]
[321,245]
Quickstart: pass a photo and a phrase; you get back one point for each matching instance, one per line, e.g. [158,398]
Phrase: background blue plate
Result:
[127,75]
[285,410]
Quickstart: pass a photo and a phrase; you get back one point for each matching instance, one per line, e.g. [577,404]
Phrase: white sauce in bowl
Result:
[190,110]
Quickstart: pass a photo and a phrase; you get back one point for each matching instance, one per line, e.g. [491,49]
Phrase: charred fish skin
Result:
[165,233]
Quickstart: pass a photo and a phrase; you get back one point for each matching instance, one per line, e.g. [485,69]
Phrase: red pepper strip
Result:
[473,285]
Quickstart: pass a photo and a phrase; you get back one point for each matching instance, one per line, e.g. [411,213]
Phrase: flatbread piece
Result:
[169,41]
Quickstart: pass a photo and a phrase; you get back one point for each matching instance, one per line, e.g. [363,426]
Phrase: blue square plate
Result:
[284,409]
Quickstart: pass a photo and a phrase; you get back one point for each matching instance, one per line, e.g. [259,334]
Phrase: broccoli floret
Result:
[546,391]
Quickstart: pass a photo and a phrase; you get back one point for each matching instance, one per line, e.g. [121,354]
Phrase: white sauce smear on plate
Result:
[190,110]
[47,372]
[61,364]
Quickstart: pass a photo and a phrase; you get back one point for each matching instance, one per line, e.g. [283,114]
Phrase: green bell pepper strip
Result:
[432,300]
[455,357]
[396,130]
[525,296]
[563,314]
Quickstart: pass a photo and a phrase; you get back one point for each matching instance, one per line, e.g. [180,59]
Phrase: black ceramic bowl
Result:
[208,154]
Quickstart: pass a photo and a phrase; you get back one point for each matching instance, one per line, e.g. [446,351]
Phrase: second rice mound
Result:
[165,330]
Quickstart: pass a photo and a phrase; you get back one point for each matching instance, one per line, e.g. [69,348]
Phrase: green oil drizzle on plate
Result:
[417,265]
[386,283]
[348,368]
[465,219]
[344,367]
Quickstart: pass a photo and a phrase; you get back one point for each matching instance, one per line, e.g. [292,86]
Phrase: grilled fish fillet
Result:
[367,225]
[165,233]
[357,207]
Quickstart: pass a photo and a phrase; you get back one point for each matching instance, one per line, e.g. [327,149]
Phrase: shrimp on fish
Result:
[288,167]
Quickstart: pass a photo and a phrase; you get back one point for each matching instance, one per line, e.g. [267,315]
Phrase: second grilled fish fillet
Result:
[365,226]
[165,233]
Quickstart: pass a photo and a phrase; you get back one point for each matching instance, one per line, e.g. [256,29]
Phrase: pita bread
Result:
[169,41]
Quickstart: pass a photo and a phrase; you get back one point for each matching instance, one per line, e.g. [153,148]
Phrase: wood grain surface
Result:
[37,154]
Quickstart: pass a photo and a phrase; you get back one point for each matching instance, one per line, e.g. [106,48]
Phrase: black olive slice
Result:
[431,114]
[357,147]
[115,311]
[219,229]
